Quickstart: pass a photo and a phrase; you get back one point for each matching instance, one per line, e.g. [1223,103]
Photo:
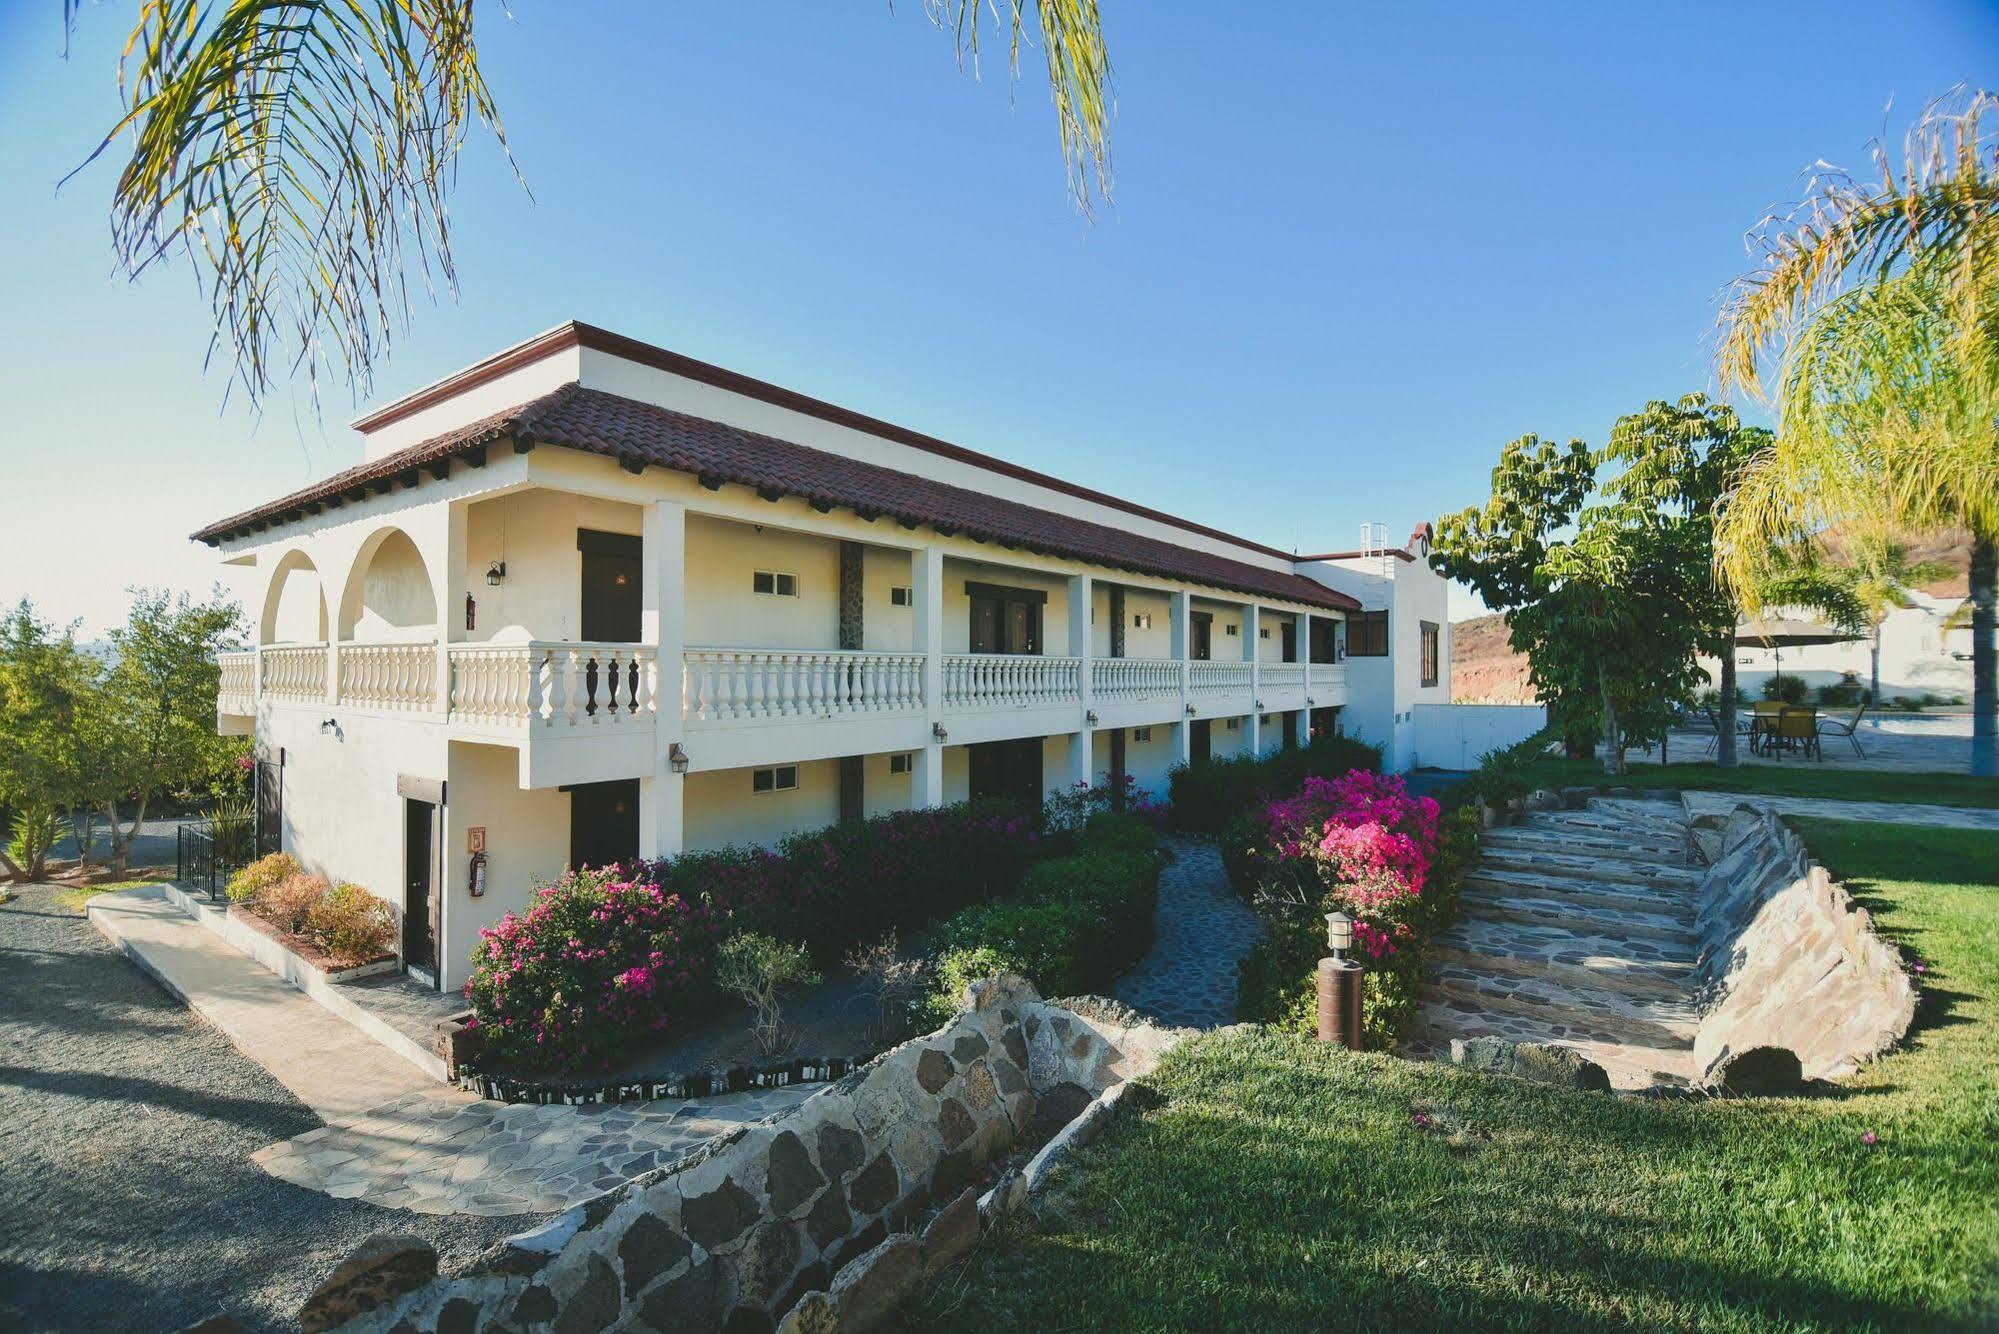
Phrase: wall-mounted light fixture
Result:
[676,757]
[1259,706]
[496,572]
[937,730]
[1090,718]
[330,725]
[1310,702]
[1190,711]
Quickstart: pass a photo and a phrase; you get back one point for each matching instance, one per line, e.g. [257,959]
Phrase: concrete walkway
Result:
[1201,930]
[393,1137]
[1827,808]
[329,1065]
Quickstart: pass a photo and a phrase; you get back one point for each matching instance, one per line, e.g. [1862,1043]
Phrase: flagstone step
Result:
[1582,907]
[1650,969]
[1585,866]
[1664,818]
[1668,841]
[1608,1015]
[1528,838]
[1629,1065]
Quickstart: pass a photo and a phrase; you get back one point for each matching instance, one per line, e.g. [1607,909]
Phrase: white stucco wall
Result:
[1382,693]
[295,605]
[527,843]
[533,533]
[1918,656]
[721,808]
[392,599]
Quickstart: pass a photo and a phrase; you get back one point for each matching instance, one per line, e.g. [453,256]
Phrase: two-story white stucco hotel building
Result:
[590,599]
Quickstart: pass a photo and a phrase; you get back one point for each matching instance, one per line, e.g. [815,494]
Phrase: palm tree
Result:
[1878,302]
[1883,577]
[300,154]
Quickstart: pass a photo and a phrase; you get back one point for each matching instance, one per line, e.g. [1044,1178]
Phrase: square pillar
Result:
[663,624]
[1082,761]
[1252,640]
[457,583]
[1082,598]
[1180,633]
[926,584]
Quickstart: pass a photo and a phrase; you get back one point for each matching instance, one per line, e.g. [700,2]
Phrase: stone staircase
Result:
[1578,929]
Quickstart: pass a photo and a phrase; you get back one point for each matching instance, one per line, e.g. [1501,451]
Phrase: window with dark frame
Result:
[902,764]
[771,583]
[783,778]
[1430,644]
[1367,634]
[901,595]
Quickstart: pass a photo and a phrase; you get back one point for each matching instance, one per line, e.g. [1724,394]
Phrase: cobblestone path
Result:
[1200,933]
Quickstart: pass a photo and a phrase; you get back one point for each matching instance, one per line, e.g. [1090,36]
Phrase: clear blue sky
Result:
[1353,250]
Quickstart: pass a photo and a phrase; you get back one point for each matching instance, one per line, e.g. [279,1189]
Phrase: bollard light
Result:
[1339,934]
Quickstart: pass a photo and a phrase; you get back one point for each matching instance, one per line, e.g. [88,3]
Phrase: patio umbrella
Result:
[1780,633]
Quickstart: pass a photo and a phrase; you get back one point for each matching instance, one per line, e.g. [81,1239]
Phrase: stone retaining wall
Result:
[739,1231]
[1787,959]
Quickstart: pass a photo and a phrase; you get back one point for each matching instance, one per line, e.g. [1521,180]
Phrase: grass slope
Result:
[1262,1182]
[1804,779]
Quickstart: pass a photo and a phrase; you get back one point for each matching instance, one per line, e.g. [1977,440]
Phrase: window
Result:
[1367,634]
[1141,620]
[901,595]
[1234,724]
[902,764]
[784,778]
[772,584]
[1265,718]
[1429,653]
[1141,734]
[1233,627]
[1263,632]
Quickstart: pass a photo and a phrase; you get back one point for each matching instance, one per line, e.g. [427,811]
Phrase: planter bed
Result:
[693,1084]
[286,956]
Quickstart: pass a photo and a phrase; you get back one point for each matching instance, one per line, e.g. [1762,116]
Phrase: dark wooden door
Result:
[270,806]
[612,604]
[1290,729]
[1004,620]
[1008,769]
[420,897]
[1203,626]
[604,823]
[1290,632]
[1200,742]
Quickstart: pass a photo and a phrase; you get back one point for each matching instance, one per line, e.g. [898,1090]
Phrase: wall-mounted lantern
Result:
[676,757]
[1259,706]
[496,572]
[937,730]
[1090,718]
[1190,711]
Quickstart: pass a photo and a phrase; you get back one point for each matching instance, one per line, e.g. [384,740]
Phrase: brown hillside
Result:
[1484,667]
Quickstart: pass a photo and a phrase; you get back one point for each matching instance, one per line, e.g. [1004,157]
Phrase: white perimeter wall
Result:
[1455,736]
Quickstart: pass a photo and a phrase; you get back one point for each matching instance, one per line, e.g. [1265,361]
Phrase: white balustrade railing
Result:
[544,684]
[237,692]
[1209,678]
[739,685]
[388,676]
[292,671]
[1281,675]
[1004,680]
[1116,679]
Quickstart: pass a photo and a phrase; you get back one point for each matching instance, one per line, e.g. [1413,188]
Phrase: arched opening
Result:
[294,603]
[389,595]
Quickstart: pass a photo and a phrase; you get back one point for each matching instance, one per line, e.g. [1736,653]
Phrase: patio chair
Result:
[1798,729]
[1763,724]
[1742,728]
[1848,727]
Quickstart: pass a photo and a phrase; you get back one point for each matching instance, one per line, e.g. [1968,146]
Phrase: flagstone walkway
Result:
[1201,930]
[393,1137]
[1825,808]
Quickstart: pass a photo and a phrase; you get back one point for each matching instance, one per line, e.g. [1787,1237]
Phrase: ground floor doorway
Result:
[421,924]
[604,823]
[1008,769]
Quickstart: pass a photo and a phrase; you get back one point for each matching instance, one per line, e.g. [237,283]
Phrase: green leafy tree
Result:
[1876,301]
[1882,577]
[155,729]
[49,689]
[301,153]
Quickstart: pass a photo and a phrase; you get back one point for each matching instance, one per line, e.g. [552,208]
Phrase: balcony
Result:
[582,711]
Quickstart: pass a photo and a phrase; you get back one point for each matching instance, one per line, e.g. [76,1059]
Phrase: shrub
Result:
[33,837]
[351,925]
[596,963]
[1363,845]
[262,875]
[1069,810]
[1789,689]
[289,903]
[760,970]
[1207,798]
[1840,694]
[893,982]
[1077,923]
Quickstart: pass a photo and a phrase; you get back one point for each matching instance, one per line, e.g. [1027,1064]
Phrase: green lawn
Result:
[1802,779]
[77,897]
[1263,1182]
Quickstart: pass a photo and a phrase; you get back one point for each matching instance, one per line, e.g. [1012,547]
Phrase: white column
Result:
[1180,630]
[926,584]
[1252,638]
[1305,661]
[663,624]
[457,581]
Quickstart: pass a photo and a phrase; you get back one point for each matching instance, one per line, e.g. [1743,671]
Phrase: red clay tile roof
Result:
[641,435]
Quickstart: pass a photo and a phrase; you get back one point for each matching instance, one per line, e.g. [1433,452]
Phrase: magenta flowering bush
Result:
[1362,844]
[600,960]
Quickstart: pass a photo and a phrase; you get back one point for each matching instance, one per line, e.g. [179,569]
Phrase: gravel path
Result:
[126,1129]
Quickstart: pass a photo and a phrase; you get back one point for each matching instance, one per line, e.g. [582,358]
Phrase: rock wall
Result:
[1787,959]
[738,1232]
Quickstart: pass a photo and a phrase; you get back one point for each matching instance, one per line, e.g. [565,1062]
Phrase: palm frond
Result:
[1079,75]
[297,151]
